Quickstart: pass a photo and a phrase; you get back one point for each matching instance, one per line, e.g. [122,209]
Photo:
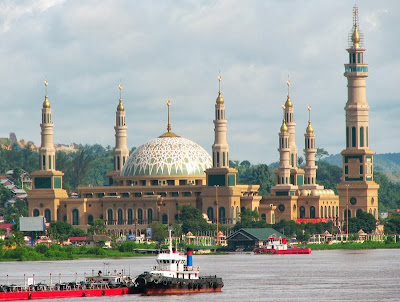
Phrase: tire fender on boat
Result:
[29,296]
[103,292]
[83,295]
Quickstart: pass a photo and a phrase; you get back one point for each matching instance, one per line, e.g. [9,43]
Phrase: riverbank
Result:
[355,245]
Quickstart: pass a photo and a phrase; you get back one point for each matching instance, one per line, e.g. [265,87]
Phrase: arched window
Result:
[149,215]
[222,214]
[344,214]
[329,211]
[242,209]
[359,212]
[165,219]
[302,211]
[110,217]
[47,215]
[263,217]
[237,213]
[325,212]
[90,219]
[130,216]
[140,216]
[118,163]
[217,159]
[223,159]
[312,212]
[366,134]
[210,213]
[353,137]
[75,217]
[120,216]
[321,214]
[232,212]
[375,214]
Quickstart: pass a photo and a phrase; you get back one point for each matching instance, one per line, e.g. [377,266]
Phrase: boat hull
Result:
[56,294]
[289,251]
[146,284]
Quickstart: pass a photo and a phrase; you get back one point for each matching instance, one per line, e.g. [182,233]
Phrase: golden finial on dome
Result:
[220,99]
[309,129]
[120,105]
[46,103]
[168,133]
[288,103]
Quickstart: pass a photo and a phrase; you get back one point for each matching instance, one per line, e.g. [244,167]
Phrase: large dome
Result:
[167,156]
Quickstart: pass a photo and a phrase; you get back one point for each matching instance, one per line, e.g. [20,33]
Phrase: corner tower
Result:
[121,151]
[358,190]
[47,183]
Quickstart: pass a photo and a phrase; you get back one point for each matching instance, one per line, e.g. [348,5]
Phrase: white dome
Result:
[167,156]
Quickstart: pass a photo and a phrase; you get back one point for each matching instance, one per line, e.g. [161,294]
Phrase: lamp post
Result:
[216,204]
[347,211]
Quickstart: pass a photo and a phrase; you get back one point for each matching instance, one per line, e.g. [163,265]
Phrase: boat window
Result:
[173,261]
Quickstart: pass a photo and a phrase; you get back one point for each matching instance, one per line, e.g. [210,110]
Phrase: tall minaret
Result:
[357,190]
[289,117]
[220,148]
[121,151]
[283,172]
[47,152]
[310,169]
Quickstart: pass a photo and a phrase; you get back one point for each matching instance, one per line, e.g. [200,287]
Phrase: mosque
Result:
[169,171]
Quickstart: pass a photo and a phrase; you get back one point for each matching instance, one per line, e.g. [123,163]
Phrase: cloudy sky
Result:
[161,49]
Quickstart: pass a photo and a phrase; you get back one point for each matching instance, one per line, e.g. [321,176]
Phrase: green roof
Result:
[257,233]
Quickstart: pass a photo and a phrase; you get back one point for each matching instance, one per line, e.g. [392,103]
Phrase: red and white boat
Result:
[279,246]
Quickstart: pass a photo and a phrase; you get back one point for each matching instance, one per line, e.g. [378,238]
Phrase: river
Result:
[335,275]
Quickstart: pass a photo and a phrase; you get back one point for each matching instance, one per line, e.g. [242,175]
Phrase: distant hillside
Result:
[387,163]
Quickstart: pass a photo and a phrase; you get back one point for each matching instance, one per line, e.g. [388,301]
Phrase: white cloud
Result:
[175,49]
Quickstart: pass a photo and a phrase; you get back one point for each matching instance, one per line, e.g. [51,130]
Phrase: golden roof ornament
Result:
[168,133]
[310,129]
[220,99]
[284,128]
[355,36]
[120,106]
[46,103]
[288,103]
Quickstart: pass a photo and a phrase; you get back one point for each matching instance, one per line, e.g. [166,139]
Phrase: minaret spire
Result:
[310,169]
[220,147]
[289,118]
[121,151]
[47,152]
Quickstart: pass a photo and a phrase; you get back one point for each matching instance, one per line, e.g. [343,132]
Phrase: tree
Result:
[250,219]
[245,163]
[60,230]
[321,153]
[159,231]
[192,220]
[302,235]
[98,227]
[392,224]
[363,221]
[80,166]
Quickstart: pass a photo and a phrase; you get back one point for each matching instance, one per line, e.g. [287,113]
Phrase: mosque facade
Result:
[170,171]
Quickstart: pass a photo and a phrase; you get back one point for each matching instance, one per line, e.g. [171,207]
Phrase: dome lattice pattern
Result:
[167,156]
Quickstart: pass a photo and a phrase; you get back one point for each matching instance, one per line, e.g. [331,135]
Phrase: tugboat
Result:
[279,246]
[175,274]
[97,285]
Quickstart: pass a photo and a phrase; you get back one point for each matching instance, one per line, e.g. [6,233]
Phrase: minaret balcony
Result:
[356,69]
